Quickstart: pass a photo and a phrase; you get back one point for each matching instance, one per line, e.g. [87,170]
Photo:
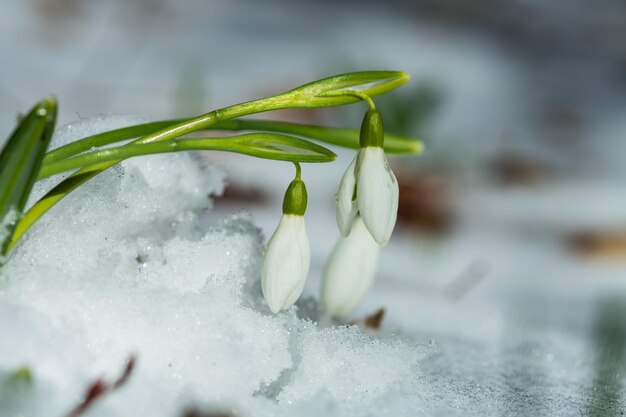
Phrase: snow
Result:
[128,265]
[136,263]
[9,220]
[498,318]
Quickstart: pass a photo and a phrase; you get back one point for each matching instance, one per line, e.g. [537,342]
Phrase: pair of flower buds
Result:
[367,205]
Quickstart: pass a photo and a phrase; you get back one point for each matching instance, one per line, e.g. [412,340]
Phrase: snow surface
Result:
[496,319]
[516,321]
[127,266]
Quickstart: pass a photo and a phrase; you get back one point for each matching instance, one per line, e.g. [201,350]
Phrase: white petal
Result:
[286,263]
[377,193]
[346,207]
[350,271]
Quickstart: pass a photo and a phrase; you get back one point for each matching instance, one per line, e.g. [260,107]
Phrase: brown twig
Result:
[599,243]
[373,321]
[100,387]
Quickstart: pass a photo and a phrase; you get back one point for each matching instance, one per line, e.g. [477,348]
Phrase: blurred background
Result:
[510,251]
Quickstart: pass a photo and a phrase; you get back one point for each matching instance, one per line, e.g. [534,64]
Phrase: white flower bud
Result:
[286,263]
[350,271]
[346,204]
[377,193]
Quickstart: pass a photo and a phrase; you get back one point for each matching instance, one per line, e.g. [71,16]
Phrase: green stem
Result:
[179,129]
[298,170]
[311,95]
[360,95]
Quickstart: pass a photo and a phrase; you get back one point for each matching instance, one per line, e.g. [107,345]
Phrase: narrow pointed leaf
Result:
[20,161]
[316,94]
[321,93]
[277,146]
[347,138]
[107,138]
[261,145]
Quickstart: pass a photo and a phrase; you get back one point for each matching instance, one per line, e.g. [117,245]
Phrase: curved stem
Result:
[360,95]
[298,170]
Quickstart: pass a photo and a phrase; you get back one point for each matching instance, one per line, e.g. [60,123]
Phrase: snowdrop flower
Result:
[368,185]
[346,200]
[350,270]
[288,254]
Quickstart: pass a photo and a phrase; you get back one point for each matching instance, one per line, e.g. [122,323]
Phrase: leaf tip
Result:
[49,102]
[417,148]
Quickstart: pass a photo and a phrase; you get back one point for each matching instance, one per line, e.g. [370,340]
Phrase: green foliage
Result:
[269,139]
[20,161]
[260,145]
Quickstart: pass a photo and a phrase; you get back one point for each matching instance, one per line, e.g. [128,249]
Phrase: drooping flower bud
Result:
[369,186]
[350,271]
[287,256]
[346,200]
[378,193]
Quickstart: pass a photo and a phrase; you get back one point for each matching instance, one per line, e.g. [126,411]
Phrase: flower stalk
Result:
[322,93]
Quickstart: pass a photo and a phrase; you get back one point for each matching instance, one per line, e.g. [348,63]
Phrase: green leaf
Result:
[106,138]
[20,161]
[260,145]
[316,94]
[320,93]
[348,138]
[276,146]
